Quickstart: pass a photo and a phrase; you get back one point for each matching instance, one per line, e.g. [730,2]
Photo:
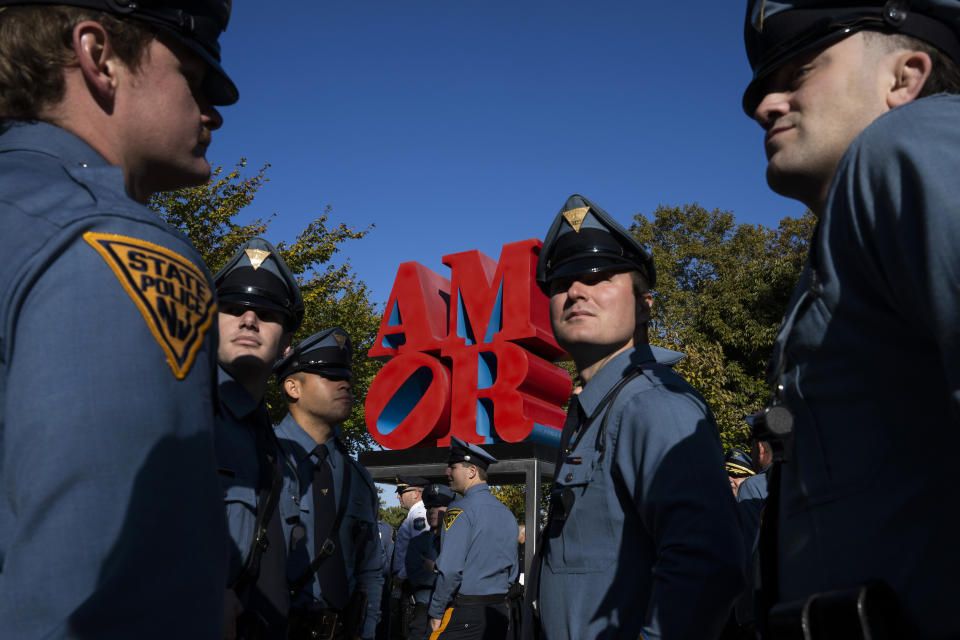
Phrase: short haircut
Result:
[944,75]
[36,45]
[481,472]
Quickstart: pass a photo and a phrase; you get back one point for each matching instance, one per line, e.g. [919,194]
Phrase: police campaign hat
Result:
[437,495]
[195,23]
[461,451]
[738,464]
[407,482]
[256,276]
[776,31]
[326,352]
[585,239]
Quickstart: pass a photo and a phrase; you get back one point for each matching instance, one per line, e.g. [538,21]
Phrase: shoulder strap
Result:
[267,499]
[329,546]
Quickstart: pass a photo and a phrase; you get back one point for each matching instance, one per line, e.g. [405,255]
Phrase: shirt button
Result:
[568,477]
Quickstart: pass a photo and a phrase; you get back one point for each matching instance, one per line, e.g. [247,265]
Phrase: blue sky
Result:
[465,125]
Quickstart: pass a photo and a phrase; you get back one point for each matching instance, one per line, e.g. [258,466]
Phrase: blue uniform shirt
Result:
[426,545]
[871,371]
[478,549]
[111,524]
[651,543]
[358,535]
[386,546]
[239,465]
[751,498]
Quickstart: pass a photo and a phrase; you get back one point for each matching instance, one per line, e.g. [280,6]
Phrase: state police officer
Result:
[643,538]
[409,494]
[421,559]
[739,467]
[329,501]
[110,517]
[478,553]
[858,125]
[260,306]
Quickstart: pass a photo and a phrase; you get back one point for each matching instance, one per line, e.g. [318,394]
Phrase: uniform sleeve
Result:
[404,533]
[112,502]
[905,228]
[419,548]
[668,456]
[454,543]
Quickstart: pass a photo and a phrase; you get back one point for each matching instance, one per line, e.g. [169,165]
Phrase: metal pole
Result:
[532,517]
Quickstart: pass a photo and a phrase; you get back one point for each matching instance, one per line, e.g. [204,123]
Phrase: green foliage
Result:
[332,294]
[393,516]
[515,497]
[722,289]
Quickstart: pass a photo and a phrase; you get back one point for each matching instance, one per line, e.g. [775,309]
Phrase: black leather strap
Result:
[267,498]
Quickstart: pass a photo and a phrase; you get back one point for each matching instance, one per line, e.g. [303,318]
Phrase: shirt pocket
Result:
[581,529]
[240,503]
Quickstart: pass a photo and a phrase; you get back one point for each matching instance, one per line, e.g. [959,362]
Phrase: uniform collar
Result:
[49,139]
[611,373]
[233,396]
[477,488]
[299,443]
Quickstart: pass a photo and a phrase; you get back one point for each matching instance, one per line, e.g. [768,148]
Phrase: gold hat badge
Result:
[257,256]
[341,339]
[575,217]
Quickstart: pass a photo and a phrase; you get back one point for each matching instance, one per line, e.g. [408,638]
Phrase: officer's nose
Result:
[212,118]
[577,290]
[773,105]
[249,320]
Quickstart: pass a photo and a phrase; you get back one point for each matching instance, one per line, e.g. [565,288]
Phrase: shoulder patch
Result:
[171,293]
[420,524]
[450,516]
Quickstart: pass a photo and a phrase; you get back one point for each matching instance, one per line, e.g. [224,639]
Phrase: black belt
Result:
[314,623]
[464,600]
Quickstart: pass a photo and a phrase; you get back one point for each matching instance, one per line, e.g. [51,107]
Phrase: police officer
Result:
[643,537]
[260,307]
[478,553]
[739,467]
[857,127]
[421,558]
[108,488]
[410,495]
[329,502]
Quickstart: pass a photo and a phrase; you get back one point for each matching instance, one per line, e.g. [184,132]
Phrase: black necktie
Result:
[333,571]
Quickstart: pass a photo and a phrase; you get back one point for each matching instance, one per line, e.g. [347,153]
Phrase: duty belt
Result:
[464,600]
[320,624]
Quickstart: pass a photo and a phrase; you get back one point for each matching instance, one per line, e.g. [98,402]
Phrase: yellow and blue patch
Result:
[450,516]
[171,293]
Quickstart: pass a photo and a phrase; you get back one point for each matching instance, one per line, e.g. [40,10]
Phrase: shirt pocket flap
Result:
[240,493]
[578,468]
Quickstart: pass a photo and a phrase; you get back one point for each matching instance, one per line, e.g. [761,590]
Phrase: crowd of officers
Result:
[145,494]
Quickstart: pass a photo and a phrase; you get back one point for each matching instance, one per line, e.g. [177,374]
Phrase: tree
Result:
[722,289]
[393,516]
[331,293]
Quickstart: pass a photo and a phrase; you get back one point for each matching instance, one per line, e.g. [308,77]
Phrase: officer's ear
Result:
[910,72]
[96,59]
[291,387]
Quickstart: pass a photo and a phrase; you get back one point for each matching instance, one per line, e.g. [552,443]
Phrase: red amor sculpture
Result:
[468,357]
